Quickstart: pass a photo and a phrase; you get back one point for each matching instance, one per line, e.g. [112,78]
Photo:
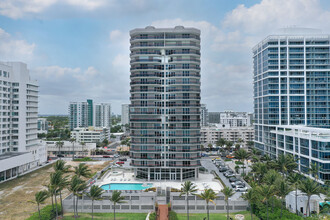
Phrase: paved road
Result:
[208,164]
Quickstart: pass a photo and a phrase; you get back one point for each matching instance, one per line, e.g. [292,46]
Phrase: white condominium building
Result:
[124,114]
[91,134]
[20,149]
[84,114]
[102,115]
[228,119]
[210,135]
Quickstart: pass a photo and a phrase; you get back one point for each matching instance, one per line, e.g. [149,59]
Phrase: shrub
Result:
[153,216]
[227,159]
[83,159]
[175,190]
[173,216]
[46,213]
[261,212]
[153,189]
[238,162]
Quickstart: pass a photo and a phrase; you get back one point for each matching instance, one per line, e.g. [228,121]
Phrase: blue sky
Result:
[79,49]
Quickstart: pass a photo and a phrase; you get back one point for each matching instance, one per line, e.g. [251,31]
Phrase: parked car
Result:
[60,155]
[237,183]
[223,169]
[228,172]
[120,162]
[123,159]
[230,175]
[240,189]
[233,179]
[106,156]
[230,156]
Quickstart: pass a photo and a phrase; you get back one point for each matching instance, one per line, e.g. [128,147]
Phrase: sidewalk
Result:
[162,212]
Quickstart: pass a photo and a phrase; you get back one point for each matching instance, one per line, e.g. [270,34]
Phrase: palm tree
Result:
[40,198]
[116,198]
[83,144]
[59,144]
[221,142]
[95,193]
[314,170]
[188,188]
[56,181]
[82,170]
[250,197]
[63,183]
[76,185]
[294,180]
[72,140]
[51,192]
[208,195]
[282,190]
[266,192]
[285,164]
[309,187]
[60,166]
[270,177]
[242,155]
[228,192]
[259,169]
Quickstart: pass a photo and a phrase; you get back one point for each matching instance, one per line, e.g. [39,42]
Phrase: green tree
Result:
[209,196]
[250,144]
[72,140]
[259,169]
[40,198]
[227,192]
[242,155]
[221,142]
[59,144]
[314,170]
[250,197]
[188,188]
[75,186]
[95,193]
[285,163]
[55,182]
[309,187]
[82,170]
[282,190]
[59,165]
[116,198]
[265,192]
[294,180]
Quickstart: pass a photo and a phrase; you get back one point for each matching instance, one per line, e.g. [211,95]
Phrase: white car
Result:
[240,189]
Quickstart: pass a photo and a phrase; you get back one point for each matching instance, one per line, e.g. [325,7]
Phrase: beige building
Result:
[68,148]
[91,134]
[210,135]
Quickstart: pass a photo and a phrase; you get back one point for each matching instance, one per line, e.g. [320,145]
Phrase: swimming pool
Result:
[126,186]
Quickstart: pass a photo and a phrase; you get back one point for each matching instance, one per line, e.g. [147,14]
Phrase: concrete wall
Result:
[143,202]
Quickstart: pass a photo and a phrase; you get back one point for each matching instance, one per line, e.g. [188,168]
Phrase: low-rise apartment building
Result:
[91,134]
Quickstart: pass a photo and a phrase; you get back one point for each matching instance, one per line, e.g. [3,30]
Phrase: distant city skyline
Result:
[80,49]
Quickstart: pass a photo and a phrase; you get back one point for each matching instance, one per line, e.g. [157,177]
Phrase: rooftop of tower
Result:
[152,29]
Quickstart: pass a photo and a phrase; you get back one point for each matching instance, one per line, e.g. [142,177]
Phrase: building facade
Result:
[102,115]
[291,87]
[124,114]
[70,148]
[91,134]
[210,135]
[85,114]
[165,103]
[204,115]
[229,119]
[20,149]
[42,126]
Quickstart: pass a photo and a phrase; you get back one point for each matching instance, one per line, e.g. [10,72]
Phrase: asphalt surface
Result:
[208,164]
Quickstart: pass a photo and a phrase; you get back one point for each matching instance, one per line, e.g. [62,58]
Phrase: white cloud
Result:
[15,49]
[120,39]
[269,15]
[88,4]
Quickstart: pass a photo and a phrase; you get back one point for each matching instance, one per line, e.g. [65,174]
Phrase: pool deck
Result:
[204,181]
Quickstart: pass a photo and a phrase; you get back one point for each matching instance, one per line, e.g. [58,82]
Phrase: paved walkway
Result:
[162,212]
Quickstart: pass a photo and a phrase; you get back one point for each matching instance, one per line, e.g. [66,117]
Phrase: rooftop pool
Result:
[126,186]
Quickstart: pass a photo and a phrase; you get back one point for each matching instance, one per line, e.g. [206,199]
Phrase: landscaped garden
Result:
[108,216]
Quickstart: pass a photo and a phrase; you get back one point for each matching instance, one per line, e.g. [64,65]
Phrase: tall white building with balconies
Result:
[102,115]
[20,149]
[124,114]
[165,103]
[291,97]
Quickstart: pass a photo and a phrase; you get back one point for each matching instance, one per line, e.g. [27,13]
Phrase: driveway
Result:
[208,164]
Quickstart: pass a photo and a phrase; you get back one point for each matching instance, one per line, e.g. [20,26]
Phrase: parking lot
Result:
[208,164]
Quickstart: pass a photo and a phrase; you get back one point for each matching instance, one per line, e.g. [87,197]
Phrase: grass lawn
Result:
[214,216]
[16,194]
[108,216]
